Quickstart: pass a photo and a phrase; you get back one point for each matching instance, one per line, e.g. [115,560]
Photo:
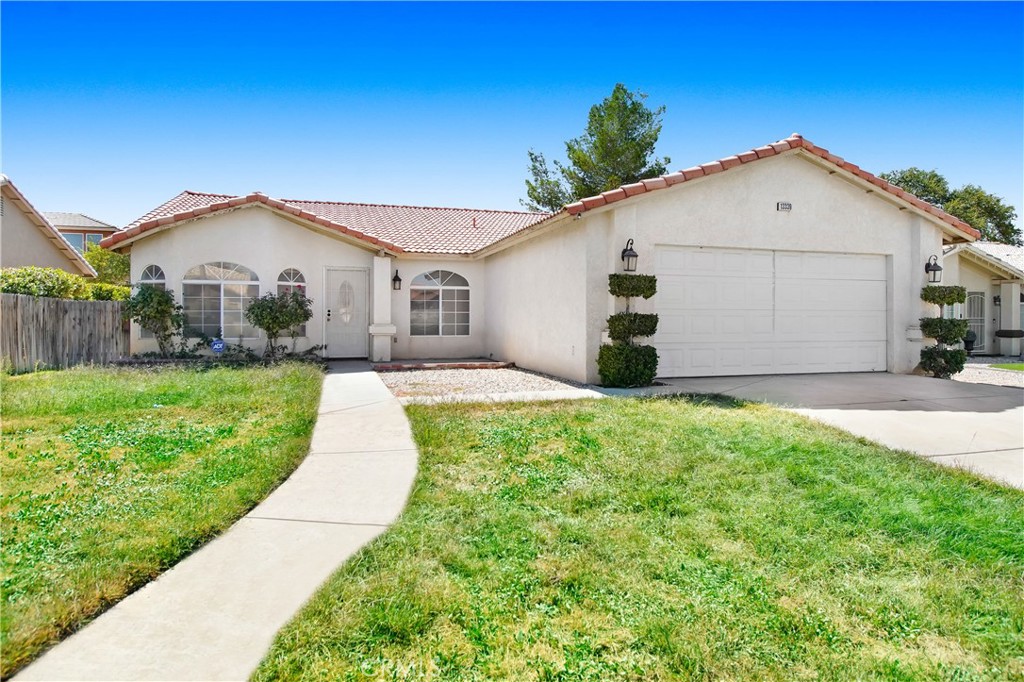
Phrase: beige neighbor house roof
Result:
[12,194]
[463,231]
[76,220]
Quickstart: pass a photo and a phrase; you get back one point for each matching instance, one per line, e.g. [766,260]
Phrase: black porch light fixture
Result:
[629,257]
[396,282]
[933,270]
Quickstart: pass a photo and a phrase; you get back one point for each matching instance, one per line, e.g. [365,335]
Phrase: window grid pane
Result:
[439,304]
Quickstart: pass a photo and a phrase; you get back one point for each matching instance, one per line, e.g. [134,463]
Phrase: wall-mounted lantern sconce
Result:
[396,282]
[933,270]
[997,300]
[629,257]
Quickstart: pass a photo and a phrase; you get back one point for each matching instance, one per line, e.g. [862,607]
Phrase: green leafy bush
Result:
[110,267]
[628,285]
[276,314]
[943,295]
[155,310]
[623,366]
[46,282]
[943,362]
[624,326]
[99,291]
[949,332]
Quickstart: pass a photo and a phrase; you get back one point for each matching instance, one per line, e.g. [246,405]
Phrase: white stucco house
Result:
[27,238]
[782,259]
[993,274]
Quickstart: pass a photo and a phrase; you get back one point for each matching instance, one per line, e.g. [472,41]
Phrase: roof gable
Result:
[793,143]
[395,228]
[1004,259]
[76,220]
[18,199]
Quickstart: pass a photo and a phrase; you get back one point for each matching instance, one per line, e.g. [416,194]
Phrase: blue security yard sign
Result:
[217,346]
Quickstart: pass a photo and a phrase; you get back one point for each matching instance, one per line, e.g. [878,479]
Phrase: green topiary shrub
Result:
[46,282]
[98,291]
[626,366]
[949,332]
[942,362]
[943,295]
[628,285]
[623,327]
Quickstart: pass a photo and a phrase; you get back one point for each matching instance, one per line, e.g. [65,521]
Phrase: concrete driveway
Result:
[973,426]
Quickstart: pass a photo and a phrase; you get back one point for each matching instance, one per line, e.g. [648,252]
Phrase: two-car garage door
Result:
[739,311]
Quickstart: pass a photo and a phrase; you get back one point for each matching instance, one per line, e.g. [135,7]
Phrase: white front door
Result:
[744,311]
[346,321]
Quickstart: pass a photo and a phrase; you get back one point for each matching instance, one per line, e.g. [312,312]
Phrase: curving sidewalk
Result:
[215,614]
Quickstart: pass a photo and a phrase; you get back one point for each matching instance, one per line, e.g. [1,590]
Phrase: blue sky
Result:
[110,109]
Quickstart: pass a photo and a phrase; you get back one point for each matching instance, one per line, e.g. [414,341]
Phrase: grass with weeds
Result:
[1017,366]
[670,539]
[112,476]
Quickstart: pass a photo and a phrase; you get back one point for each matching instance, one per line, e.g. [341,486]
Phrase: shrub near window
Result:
[276,314]
[623,363]
[156,311]
[943,362]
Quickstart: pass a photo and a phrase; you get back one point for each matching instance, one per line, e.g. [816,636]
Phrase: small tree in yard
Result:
[155,310]
[110,267]
[277,314]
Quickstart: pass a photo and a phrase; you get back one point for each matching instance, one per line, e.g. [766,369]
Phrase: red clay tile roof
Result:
[422,229]
[794,141]
[416,229]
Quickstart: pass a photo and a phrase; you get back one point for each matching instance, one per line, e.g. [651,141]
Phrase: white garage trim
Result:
[744,311]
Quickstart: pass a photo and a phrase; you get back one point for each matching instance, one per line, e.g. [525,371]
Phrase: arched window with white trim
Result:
[152,275]
[216,296]
[288,281]
[439,304]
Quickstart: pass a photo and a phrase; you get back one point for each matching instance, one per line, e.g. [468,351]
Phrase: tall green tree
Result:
[110,267]
[983,211]
[616,148]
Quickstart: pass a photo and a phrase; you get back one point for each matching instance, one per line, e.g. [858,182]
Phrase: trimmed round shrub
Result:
[629,285]
[623,366]
[949,332]
[943,362]
[623,327]
[98,291]
[46,282]
[943,295]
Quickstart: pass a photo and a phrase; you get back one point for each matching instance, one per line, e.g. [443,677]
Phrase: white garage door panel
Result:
[732,311]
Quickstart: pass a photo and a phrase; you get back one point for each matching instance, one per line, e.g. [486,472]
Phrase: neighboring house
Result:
[992,274]
[79,229]
[783,259]
[28,238]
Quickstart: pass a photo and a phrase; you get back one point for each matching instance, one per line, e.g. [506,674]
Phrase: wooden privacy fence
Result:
[40,333]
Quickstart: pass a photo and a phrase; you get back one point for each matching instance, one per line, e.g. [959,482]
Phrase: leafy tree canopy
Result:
[110,267]
[984,212]
[616,148]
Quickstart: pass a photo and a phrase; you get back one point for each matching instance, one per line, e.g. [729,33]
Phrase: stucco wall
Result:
[257,238]
[22,243]
[737,209]
[536,313]
[423,347]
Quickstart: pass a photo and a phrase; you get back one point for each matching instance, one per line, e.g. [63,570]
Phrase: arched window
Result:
[288,281]
[152,275]
[439,304]
[215,297]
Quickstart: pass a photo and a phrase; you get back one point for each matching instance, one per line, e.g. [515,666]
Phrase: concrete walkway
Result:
[215,614]
[971,426]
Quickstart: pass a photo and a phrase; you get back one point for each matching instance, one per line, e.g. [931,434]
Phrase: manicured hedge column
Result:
[623,363]
[941,361]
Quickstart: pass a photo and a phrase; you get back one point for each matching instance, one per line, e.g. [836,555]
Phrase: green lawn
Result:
[670,539]
[1019,366]
[112,476]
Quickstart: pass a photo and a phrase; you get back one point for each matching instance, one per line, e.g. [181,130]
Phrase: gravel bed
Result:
[977,371]
[442,382]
